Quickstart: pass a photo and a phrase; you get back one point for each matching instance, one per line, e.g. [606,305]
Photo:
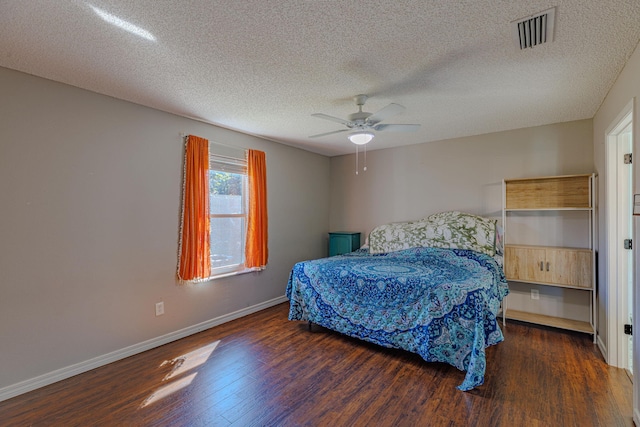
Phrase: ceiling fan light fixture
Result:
[361,138]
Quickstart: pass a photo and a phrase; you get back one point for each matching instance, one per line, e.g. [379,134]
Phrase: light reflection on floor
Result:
[176,378]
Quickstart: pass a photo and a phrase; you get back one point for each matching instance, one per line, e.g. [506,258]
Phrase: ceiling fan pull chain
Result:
[356,160]
[365,158]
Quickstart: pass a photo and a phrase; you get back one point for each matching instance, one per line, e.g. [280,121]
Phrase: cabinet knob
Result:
[541,265]
[547,265]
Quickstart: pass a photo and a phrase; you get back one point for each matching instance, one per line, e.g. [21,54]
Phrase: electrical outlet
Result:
[535,294]
[159,308]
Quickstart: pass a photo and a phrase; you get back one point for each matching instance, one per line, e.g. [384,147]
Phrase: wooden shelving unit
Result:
[555,322]
[558,266]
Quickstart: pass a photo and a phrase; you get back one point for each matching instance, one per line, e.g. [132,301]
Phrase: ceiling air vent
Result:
[534,30]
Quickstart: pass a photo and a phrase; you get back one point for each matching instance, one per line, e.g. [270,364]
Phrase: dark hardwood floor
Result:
[263,370]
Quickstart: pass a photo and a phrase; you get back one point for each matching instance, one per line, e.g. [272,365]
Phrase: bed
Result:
[431,287]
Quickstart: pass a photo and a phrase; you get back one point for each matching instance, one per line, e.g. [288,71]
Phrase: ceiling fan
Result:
[362,124]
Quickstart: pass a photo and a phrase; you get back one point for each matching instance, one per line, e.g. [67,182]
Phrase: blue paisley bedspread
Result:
[438,303]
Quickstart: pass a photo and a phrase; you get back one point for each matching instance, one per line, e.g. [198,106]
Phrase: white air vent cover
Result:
[534,30]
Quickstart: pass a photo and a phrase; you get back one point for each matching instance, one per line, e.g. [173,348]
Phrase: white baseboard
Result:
[69,371]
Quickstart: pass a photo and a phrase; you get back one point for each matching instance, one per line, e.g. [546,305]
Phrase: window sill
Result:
[221,276]
[235,273]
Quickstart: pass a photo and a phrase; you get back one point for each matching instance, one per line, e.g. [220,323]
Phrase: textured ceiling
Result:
[263,67]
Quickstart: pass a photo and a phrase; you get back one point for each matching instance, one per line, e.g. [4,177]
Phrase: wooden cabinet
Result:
[343,242]
[549,266]
[552,265]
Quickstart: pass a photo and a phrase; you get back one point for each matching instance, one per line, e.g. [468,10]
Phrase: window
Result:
[224,221]
[227,213]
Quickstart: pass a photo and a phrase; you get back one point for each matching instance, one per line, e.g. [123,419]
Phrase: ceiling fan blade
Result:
[397,128]
[329,133]
[333,119]
[388,111]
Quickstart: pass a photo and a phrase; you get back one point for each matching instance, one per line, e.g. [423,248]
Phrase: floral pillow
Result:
[443,230]
[462,231]
[397,236]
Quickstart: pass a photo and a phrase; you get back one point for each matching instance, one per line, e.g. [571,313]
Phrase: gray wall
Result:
[465,174]
[90,188]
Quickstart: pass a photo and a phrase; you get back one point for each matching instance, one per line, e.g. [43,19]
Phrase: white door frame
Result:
[616,353]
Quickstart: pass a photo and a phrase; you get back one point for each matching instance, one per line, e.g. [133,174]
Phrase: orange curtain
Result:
[194,263]
[256,249]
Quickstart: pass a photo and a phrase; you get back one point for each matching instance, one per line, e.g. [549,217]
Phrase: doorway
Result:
[619,226]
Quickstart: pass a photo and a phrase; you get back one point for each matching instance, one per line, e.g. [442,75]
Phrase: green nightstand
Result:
[343,242]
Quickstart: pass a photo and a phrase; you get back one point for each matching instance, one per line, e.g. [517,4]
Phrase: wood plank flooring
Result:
[263,370]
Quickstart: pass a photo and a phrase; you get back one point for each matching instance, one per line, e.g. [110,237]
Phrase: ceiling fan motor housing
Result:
[359,118]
